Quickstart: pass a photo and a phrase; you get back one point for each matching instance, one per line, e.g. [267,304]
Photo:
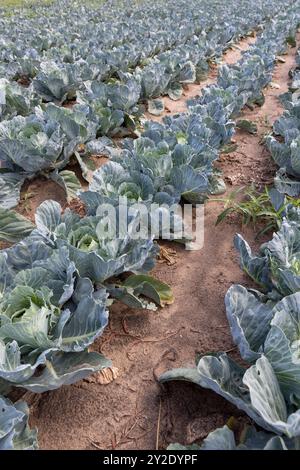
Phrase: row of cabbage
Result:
[113,48]
[63,269]
[284,144]
[176,157]
[54,301]
[170,42]
[264,323]
[173,160]
[265,326]
[117,36]
[37,138]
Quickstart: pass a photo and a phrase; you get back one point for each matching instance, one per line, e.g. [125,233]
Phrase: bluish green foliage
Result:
[116,61]
[15,433]
[284,144]
[113,69]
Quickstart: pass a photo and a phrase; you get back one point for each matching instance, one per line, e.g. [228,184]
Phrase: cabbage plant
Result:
[284,147]
[97,251]
[255,390]
[77,125]
[30,144]
[56,84]
[268,328]
[114,104]
[16,100]
[49,317]
[276,267]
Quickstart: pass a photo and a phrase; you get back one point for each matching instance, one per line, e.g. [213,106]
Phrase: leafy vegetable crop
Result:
[67,88]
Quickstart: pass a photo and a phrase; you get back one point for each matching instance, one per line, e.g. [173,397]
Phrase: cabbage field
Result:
[115,115]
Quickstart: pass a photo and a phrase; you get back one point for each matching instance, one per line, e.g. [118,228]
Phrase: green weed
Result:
[254,207]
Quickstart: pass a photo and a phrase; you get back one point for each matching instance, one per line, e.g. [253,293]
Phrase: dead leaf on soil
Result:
[104,376]
[167,255]
[81,148]
[274,85]
[32,400]
[107,375]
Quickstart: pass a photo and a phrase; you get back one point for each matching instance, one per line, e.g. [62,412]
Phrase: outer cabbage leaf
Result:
[15,433]
[224,439]
[13,226]
[66,369]
[256,390]
[249,319]
[15,99]
[10,188]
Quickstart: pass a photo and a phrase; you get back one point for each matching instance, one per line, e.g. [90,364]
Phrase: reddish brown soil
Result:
[35,192]
[133,411]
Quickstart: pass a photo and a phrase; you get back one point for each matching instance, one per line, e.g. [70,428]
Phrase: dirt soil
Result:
[133,411]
